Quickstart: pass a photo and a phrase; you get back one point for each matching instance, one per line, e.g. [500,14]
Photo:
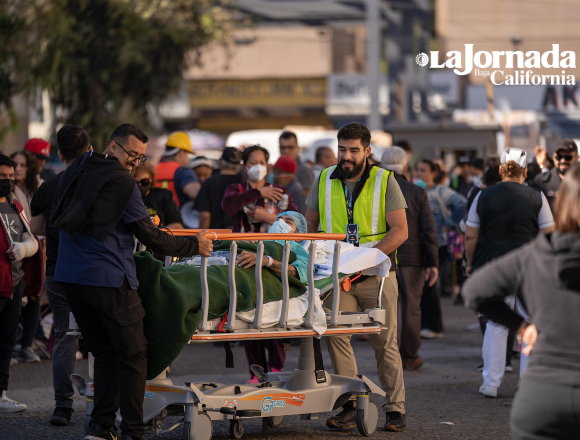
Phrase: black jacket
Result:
[549,183]
[420,249]
[92,185]
[545,275]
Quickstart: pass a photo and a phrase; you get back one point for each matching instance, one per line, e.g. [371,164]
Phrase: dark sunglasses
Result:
[132,158]
[144,182]
[568,157]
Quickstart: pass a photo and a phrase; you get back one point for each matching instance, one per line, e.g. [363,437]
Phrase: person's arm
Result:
[312,220]
[176,226]
[248,259]
[234,200]
[457,204]
[191,190]
[38,224]
[398,232]
[428,235]
[24,249]
[166,244]
[545,218]
[204,219]
[471,237]
[486,289]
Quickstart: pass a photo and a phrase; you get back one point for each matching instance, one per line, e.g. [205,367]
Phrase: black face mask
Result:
[144,189]
[6,187]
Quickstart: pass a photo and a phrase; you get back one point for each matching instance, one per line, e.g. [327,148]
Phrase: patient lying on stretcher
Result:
[290,222]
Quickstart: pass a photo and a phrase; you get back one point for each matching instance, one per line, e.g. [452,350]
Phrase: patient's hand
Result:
[247,259]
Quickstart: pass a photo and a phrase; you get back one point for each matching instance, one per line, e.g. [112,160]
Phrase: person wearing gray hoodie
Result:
[545,275]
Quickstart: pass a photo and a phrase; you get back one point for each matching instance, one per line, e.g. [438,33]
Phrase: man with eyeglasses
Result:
[565,155]
[288,144]
[98,209]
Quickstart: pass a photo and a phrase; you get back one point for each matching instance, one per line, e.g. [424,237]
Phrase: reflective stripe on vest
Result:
[368,210]
[165,174]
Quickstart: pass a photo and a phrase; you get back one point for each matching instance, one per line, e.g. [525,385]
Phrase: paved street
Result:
[444,390]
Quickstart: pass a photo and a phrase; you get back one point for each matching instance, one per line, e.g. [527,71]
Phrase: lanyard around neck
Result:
[348,199]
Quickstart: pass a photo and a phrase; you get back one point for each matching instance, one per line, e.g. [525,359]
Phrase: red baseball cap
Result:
[286,164]
[38,146]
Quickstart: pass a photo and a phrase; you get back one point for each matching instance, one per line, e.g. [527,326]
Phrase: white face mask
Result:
[476,180]
[257,172]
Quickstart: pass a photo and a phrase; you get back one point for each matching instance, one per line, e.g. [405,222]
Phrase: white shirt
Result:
[545,218]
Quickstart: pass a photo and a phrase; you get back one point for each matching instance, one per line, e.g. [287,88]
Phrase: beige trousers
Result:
[390,368]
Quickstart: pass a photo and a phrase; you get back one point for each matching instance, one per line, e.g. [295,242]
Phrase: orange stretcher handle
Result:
[266,236]
[191,232]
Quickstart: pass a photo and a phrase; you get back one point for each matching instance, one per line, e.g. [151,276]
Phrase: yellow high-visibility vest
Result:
[368,209]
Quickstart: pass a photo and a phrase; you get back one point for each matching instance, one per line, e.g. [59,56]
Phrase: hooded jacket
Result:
[545,275]
[93,184]
[32,266]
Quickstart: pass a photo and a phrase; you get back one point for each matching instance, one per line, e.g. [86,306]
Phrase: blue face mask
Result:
[280,227]
[421,183]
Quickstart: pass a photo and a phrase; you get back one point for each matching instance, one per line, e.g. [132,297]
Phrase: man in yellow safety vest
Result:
[365,202]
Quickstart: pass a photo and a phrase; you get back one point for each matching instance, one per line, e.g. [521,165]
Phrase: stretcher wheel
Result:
[236,429]
[204,428]
[366,420]
[275,421]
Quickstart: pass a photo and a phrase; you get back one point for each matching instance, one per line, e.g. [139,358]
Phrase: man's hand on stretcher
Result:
[248,259]
[205,244]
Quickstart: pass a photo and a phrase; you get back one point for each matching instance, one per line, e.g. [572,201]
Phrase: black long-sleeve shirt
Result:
[545,275]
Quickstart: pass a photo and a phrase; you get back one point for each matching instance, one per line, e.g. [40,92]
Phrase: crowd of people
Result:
[499,234]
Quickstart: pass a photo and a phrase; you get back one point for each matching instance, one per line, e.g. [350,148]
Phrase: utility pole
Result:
[373,15]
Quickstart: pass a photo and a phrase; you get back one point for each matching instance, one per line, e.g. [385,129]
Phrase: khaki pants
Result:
[389,366]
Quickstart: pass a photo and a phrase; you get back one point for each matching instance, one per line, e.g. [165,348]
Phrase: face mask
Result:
[421,183]
[476,180]
[257,172]
[144,189]
[280,227]
[6,187]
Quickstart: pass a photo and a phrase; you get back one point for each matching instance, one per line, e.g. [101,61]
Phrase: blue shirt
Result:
[183,177]
[83,259]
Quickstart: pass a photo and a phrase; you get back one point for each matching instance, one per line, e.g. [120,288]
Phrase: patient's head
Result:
[296,223]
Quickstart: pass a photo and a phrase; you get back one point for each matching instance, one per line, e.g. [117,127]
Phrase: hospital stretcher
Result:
[306,391]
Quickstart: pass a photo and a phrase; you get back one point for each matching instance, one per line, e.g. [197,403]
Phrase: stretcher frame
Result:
[305,391]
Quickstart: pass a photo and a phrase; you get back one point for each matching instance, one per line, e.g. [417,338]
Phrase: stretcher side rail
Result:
[368,321]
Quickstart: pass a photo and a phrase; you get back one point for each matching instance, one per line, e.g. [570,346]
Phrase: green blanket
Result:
[172,298]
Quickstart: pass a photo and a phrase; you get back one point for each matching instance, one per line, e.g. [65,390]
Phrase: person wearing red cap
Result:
[41,149]
[285,175]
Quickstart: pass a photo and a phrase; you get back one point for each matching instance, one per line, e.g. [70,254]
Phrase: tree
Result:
[105,61]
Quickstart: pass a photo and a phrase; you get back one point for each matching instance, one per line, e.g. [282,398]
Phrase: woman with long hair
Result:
[502,218]
[545,274]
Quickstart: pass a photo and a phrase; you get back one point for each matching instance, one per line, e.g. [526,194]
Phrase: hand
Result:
[529,338]
[10,252]
[205,244]
[431,275]
[540,155]
[468,271]
[271,193]
[247,259]
[258,213]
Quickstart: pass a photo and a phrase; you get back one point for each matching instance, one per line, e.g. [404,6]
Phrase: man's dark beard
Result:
[355,171]
[562,171]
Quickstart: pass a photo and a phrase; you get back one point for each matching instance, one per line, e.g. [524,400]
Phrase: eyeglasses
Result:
[132,158]
[568,157]
[144,182]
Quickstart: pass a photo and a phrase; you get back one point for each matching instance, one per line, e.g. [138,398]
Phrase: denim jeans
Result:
[65,347]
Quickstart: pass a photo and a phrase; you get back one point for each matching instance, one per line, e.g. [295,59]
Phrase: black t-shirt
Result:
[549,183]
[160,202]
[41,203]
[210,199]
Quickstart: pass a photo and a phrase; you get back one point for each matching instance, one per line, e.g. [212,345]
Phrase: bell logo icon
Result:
[422,59]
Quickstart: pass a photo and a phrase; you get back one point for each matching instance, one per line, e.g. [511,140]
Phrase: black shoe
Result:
[61,416]
[395,422]
[345,419]
[96,431]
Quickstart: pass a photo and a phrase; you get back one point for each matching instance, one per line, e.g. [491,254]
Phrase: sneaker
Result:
[13,361]
[430,334]
[413,365]
[97,432]
[488,391]
[480,368]
[61,416]
[28,355]
[275,370]
[252,380]
[345,419]
[10,406]
[395,422]
[509,368]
